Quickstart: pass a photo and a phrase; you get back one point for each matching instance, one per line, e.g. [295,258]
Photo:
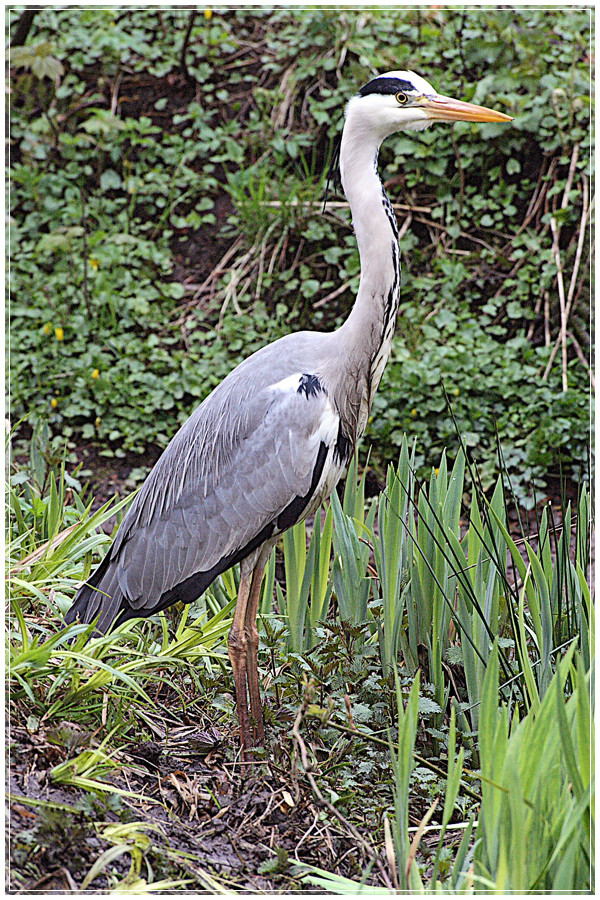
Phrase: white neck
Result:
[367,333]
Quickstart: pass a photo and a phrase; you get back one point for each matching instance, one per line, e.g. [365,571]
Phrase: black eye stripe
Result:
[386,86]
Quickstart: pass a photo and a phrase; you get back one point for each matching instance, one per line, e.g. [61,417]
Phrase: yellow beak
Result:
[446,109]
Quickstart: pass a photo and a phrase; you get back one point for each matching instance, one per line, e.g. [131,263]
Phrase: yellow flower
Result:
[97,422]
[208,14]
[94,263]
[54,403]
[437,472]
[456,392]
[96,373]
[48,328]
[59,334]
[414,413]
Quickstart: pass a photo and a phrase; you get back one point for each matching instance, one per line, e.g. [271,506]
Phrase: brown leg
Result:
[237,644]
[252,654]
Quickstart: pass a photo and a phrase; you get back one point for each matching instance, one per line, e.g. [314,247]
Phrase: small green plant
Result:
[402,758]
[391,548]
[58,671]
[132,838]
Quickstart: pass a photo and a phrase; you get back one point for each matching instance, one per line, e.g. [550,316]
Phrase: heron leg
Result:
[238,646]
[252,654]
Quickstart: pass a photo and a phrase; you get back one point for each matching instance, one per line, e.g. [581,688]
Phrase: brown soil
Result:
[245,823]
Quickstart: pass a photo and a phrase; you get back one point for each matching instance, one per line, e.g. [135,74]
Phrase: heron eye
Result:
[400,97]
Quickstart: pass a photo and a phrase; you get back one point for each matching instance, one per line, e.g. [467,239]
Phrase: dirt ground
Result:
[206,814]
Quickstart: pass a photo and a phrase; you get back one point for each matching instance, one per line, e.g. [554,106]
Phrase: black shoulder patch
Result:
[310,385]
[386,86]
[343,448]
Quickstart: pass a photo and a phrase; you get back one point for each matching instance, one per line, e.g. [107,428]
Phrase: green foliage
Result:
[536,782]
[123,203]
[308,588]
[53,536]
[402,765]
[460,578]
[536,818]
[494,387]
[536,815]
[447,601]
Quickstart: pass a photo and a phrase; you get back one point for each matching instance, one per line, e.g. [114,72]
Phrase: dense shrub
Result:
[130,182]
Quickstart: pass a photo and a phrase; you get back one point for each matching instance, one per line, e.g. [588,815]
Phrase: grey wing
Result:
[231,477]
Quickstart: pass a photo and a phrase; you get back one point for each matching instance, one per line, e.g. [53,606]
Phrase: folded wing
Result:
[241,470]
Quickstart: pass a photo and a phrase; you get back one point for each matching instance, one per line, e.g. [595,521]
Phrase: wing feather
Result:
[264,475]
[240,461]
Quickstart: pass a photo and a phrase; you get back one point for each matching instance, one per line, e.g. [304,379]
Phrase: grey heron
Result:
[270,443]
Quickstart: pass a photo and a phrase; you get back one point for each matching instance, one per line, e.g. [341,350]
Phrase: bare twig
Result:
[218,269]
[562,301]
[405,226]
[581,239]
[437,225]
[537,199]
[305,836]
[338,204]
[114,99]
[324,300]
[390,852]
[551,360]
[570,176]
[24,23]
[582,359]
[182,62]
[567,304]
[546,318]
[283,115]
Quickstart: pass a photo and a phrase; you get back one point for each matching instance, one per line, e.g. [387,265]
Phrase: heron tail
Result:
[100,595]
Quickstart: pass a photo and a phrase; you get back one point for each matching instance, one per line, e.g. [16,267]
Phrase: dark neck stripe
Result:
[389,211]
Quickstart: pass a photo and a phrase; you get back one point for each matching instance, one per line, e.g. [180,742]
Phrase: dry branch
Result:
[567,303]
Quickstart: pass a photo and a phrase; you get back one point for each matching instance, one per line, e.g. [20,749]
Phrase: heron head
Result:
[399,101]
